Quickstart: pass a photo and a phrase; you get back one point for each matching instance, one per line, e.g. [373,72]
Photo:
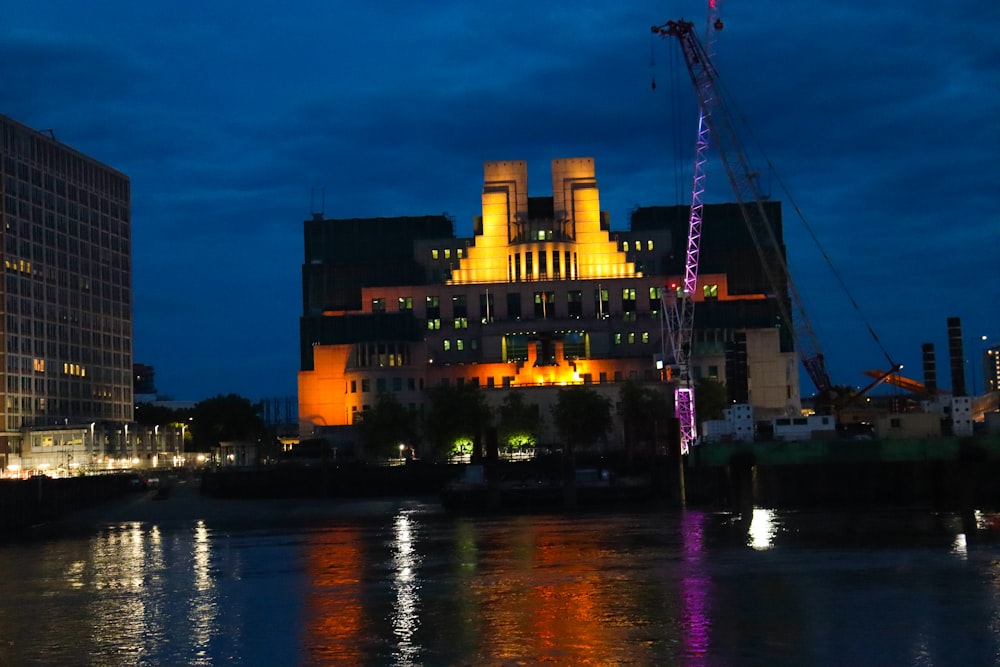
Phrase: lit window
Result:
[433,325]
[654,293]
[447,253]
[638,245]
[618,339]
[461,323]
[645,336]
[624,246]
[378,305]
[649,244]
[631,337]
[710,291]
[447,344]
[460,253]
[459,344]
[434,254]
[406,303]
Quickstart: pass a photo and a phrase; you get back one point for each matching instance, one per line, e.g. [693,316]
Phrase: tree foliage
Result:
[223,419]
[709,399]
[644,412]
[149,414]
[454,414]
[581,415]
[385,426]
[518,421]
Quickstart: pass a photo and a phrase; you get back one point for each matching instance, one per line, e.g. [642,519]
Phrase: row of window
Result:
[446,253]
[544,302]
[542,236]
[637,245]
[34,365]
[396,384]
[40,158]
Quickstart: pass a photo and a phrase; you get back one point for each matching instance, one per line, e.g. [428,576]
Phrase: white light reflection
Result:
[960,547]
[203,614]
[762,529]
[127,559]
[405,617]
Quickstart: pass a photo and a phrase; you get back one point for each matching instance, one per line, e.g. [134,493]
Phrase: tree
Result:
[709,399]
[582,416]
[149,414]
[225,418]
[519,422]
[643,411]
[387,425]
[456,417]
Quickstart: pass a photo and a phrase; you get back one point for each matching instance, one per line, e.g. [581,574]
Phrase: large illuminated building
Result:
[67,298]
[543,296]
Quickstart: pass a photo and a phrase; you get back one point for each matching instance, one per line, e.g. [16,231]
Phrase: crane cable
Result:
[805,223]
[675,125]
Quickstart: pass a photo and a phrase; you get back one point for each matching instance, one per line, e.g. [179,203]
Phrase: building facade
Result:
[991,369]
[67,302]
[543,296]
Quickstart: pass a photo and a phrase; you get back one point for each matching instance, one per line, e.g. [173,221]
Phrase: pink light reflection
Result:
[696,623]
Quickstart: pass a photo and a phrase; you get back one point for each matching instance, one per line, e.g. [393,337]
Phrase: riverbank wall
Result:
[945,473]
[38,500]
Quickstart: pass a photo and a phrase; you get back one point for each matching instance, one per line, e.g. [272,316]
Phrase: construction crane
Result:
[680,318]
[742,178]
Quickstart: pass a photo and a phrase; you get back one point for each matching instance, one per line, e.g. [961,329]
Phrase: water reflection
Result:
[125,562]
[405,617]
[696,623]
[203,609]
[762,529]
[406,586]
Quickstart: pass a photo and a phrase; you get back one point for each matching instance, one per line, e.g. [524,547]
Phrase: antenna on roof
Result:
[322,201]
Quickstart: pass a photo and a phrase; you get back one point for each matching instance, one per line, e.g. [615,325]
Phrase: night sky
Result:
[883,120]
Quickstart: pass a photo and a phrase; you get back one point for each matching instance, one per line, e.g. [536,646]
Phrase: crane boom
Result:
[680,318]
[742,178]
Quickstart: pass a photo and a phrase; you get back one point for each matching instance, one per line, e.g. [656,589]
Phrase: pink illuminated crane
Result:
[742,178]
[680,318]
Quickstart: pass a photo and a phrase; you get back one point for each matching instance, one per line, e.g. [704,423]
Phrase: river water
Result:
[405,583]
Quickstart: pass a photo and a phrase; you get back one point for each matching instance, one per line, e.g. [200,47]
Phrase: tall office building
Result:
[991,369]
[67,299]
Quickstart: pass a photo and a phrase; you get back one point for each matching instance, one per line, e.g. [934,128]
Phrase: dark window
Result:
[513,305]
[545,305]
[574,301]
[487,311]
[602,304]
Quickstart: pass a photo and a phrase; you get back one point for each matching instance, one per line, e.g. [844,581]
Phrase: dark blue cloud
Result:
[229,118]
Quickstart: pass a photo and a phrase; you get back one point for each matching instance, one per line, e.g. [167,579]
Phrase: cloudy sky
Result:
[882,119]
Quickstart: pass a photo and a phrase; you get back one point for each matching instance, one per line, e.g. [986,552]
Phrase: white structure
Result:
[961,416]
[804,428]
[737,426]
